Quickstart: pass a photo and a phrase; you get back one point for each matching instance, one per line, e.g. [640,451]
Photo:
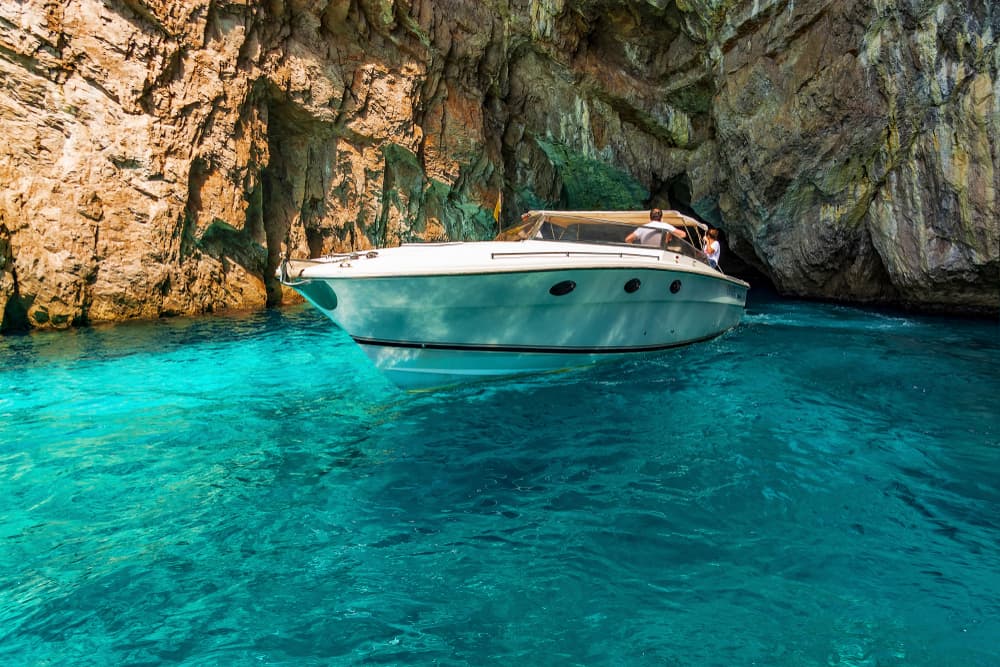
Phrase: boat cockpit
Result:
[610,228]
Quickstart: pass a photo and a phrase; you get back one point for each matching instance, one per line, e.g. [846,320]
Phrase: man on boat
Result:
[651,233]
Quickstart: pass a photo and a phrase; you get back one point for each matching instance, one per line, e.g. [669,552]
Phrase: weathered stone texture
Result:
[160,157]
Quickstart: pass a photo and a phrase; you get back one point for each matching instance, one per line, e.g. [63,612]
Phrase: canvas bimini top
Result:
[606,228]
[633,218]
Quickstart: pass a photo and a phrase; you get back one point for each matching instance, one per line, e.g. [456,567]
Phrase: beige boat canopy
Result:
[634,218]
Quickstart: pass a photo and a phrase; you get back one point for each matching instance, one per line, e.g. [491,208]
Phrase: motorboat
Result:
[559,290]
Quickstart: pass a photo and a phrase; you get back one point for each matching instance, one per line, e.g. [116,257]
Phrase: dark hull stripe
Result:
[459,347]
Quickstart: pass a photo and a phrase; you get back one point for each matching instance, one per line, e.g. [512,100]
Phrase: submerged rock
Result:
[160,158]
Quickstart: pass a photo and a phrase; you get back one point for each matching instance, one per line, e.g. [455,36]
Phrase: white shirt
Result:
[651,234]
[713,251]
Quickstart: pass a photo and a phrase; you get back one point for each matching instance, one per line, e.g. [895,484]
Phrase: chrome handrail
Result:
[568,253]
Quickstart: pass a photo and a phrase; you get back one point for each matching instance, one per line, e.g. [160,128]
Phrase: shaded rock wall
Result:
[863,138]
[161,157]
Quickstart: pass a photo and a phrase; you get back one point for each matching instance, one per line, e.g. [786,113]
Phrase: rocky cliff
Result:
[160,157]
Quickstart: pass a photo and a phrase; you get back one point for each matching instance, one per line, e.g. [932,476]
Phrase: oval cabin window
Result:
[563,288]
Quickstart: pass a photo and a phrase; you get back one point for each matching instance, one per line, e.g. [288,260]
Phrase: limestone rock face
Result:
[862,140]
[160,157]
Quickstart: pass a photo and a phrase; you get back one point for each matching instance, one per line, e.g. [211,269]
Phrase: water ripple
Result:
[817,487]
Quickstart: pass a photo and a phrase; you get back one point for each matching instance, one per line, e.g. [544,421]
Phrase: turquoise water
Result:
[820,486]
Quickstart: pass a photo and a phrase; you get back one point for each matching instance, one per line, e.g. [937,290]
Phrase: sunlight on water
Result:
[818,487]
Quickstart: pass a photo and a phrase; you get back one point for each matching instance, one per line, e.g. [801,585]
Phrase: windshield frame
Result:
[608,228]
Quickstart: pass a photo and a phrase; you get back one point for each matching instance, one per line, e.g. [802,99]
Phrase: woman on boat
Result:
[713,249]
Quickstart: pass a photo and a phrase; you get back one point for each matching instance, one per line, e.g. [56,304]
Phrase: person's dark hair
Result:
[656,214]
[713,233]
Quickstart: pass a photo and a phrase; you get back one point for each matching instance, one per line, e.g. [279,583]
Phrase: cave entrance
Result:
[292,194]
[676,192]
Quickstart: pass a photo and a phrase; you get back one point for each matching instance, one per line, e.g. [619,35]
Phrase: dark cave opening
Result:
[675,193]
[275,230]
[292,195]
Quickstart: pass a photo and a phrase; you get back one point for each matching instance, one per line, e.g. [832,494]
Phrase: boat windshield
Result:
[608,228]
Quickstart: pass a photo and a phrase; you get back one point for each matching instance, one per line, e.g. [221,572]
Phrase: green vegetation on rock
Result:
[590,184]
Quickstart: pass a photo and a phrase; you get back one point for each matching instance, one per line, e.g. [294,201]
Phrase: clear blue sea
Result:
[819,487]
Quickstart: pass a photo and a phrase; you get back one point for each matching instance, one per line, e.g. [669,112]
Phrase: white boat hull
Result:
[448,327]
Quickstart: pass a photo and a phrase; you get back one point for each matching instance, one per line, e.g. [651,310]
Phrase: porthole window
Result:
[675,287]
[563,288]
[633,285]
